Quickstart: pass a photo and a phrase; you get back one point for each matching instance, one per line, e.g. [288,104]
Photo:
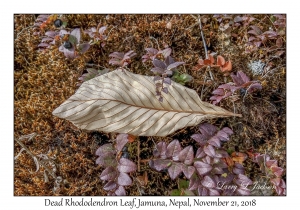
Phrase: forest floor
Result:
[44,79]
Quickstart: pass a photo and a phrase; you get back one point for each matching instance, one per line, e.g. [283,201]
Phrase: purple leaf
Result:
[46,39]
[240,78]
[159,64]
[194,182]
[70,53]
[187,155]
[200,153]
[51,34]
[207,130]
[156,78]
[174,170]
[161,149]
[117,55]
[151,51]
[76,34]
[199,138]
[237,19]
[277,171]
[157,70]
[165,90]
[166,52]
[202,168]
[121,140]
[209,150]
[217,170]
[202,191]
[215,141]
[106,149]
[124,179]
[169,60]
[173,150]
[105,161]
[242,180]
[102,29]
[188,171]
[120,191]
[126,165]
[160,164]
[43,45]
[129,55]
[256,29]
[219,91]
[222,135]
[254,86]
[109,173]
[111,185]
[84,47]
[227,130]
[270,163]
[221,154]
[208,182]
[174,65]
[207,160]
[115,62]
[243,191]
[238,169]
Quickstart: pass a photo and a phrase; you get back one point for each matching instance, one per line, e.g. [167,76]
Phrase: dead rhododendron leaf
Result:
[123,102]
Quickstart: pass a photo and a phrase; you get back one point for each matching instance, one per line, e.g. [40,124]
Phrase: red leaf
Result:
[220,60]
[238,157]
[227,66]
[207,62]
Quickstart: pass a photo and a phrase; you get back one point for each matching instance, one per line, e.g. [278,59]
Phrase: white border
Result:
[8,201]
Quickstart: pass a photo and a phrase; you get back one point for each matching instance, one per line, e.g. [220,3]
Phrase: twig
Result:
[34,156]
[151,37]
[22,31]
[202,35]
[138,155]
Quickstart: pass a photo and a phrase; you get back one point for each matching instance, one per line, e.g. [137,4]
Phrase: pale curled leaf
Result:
[123,102]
